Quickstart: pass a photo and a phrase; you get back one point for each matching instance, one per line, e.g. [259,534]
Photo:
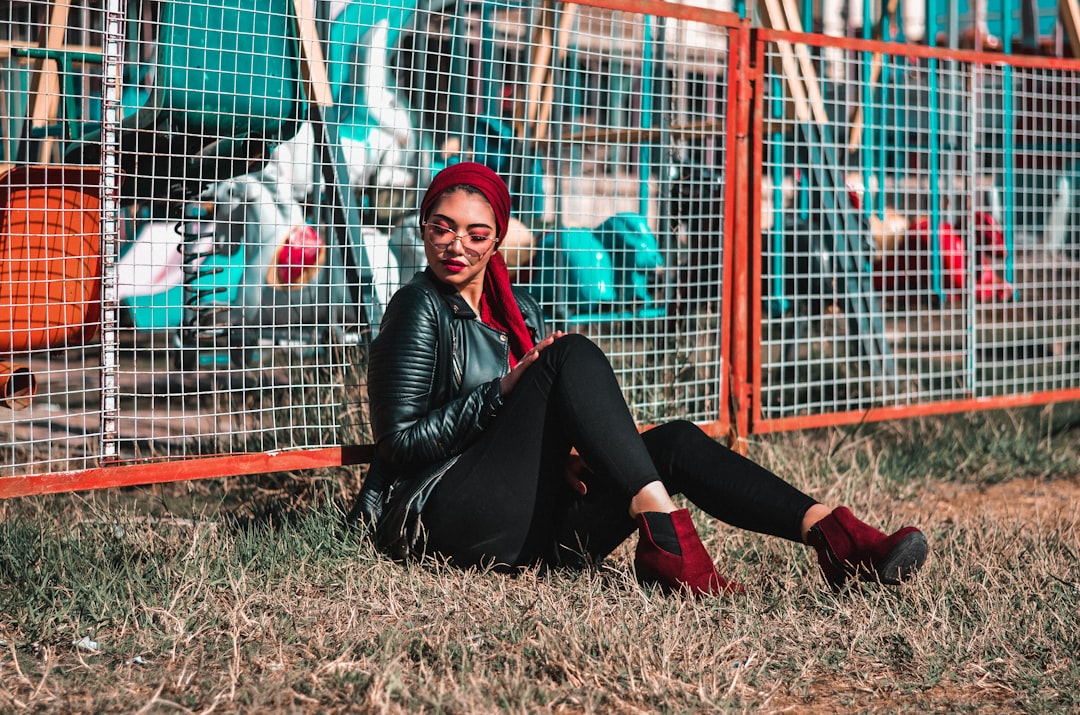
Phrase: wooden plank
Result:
[876,62]
[46,81]
[333,164]
[806,65]
[773,17]
[543,41]
[638,135]
[562,41]
[312,64]
[1069,10]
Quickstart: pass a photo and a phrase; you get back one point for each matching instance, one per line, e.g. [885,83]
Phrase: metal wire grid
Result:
[223,324]
[233,280]
[609,128]
[238,289]
[1031,343]
[959,177]
[823,331]
[670,359]
[50,232]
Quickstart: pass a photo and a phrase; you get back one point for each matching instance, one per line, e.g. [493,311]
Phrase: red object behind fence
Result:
[50,257]
[906,272]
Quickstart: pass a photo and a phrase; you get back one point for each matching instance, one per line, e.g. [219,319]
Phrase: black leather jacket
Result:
[433,383]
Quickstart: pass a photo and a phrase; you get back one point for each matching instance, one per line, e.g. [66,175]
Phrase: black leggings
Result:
[506,502]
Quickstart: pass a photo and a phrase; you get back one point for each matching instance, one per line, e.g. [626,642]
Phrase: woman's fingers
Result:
[511,378]
[546,342]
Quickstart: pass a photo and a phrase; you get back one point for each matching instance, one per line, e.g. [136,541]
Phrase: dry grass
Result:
[247,596]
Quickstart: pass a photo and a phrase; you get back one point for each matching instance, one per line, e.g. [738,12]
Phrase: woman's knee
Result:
[574,346]
[679,442]
[679,434]
[576,342]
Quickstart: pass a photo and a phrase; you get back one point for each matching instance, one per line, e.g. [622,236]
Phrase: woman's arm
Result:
[403,372]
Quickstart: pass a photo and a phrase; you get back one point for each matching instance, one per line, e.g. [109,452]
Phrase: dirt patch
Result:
[1030,500]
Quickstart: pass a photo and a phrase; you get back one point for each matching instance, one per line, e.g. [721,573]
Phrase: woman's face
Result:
[463,224]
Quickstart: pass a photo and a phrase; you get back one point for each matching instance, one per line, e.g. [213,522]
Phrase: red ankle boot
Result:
[847,547]
[683,562]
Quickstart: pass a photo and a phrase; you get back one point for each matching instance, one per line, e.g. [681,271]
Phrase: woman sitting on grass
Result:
[479,418]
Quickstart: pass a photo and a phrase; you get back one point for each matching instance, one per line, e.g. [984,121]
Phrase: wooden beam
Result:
[45,83]
[312,64]
[773,17]
[543,40]
[806,64]
[876,63]
[1069,10]
[562,44]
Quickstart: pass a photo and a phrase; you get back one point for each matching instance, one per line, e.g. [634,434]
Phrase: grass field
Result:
[247,595]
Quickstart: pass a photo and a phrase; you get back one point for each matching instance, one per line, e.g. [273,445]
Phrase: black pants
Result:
[507,502]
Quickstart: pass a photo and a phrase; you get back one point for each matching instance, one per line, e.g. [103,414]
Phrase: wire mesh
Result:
[208,204]
[50,237]
[918,246]
[250,221]
[609,127]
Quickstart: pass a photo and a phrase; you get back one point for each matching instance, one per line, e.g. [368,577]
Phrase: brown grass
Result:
[247,596]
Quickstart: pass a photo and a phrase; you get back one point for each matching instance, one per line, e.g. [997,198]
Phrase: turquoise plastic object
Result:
[346,34]
[636,258]
[229,66]
[163,310]
[574,271]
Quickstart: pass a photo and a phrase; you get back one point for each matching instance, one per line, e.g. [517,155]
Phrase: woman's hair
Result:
[463,188]
[476,177]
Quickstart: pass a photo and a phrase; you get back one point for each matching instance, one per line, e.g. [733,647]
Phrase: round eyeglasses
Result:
[440,237]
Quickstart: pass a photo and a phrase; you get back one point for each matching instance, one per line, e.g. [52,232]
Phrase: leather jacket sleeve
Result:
[368,507]
[412,423]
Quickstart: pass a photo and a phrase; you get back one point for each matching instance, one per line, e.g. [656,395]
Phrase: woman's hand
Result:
[510,379]
[576,471]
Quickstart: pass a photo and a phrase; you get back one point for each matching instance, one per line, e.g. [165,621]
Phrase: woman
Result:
[499,446]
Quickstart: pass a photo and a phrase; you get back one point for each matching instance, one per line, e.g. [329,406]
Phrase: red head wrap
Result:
[498,308]
[479,177]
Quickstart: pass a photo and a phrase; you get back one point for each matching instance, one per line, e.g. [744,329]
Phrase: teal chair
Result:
[604,274]
[636,260]
[227,89]
[229,68]
[573,274]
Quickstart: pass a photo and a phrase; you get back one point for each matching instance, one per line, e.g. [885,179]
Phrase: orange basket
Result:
[50,257]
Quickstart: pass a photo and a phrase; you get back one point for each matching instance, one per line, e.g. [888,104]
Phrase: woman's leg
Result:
[744,494]
[501,502]
[725,484]
[721,482]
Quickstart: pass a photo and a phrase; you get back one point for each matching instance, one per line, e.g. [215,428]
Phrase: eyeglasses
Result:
[440,237]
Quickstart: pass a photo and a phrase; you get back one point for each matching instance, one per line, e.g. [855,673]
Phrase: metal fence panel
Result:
[250,207]
[917,244]
[57,230]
